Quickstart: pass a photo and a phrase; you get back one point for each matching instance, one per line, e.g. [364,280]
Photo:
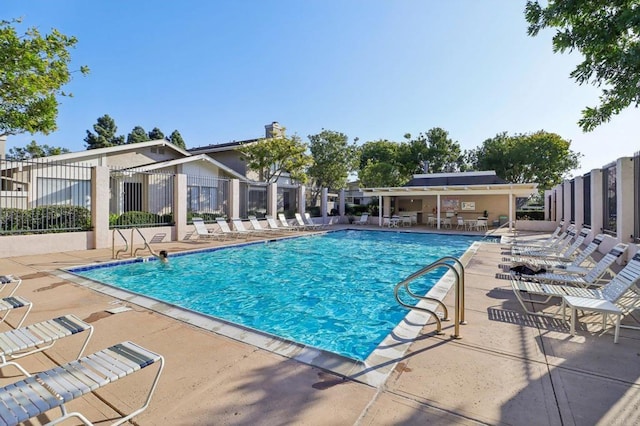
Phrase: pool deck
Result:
[508,368]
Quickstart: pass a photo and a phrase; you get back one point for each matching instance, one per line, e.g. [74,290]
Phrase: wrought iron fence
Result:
[40,196]
[288,199]
[253,199]
[207,197]
[140,198]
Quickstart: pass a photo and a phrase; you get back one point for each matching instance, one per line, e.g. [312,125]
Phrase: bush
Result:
[45,219]
[529,215]
[207,217]
[135,218]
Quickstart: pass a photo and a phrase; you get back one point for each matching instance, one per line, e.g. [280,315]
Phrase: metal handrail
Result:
[146,244]
[509,222]
[113,244]
[459,296]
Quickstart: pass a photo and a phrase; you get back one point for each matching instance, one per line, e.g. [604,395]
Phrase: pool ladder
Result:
[114,254]
[458,273]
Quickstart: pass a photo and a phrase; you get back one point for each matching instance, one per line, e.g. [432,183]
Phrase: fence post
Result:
[342,205]
[302,198]
[272,199]
[597,200]
[179,206]
[324,205]
[100,206]
[234,198]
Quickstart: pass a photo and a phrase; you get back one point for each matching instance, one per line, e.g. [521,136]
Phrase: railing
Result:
[146,244]
[459,294]
[114,253]
[507,223]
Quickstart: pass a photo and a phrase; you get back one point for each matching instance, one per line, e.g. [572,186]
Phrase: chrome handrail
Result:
[459,296]
[507,223]
[146,244]
[114,254]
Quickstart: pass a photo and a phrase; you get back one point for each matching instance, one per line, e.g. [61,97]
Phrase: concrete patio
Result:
[508,367]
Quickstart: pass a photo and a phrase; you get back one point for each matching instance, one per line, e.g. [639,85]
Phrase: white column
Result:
[100,206]
[341,206]
[323,205]
[302,199]
[511,216]
[272,199]
[566,203]
[179,206]
[380,210]
[234,198]
[438,211]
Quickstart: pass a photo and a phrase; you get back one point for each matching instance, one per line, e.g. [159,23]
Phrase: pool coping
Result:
[373,371]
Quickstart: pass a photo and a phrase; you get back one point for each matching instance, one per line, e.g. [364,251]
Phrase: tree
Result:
[176,139]
[541,157]
[156,134]
[33,150]
[105,135]
[434,148]
[270,157]
[379,164]
[34,68]
[138,134]
[333,159]
[607,33]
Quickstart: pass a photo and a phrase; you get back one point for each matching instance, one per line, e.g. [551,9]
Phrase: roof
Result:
[191,159]
[227,146]
[456,179]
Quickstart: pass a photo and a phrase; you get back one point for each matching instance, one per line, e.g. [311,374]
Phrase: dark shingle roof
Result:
[456,180]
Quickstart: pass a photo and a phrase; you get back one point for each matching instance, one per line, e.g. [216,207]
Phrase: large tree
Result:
[380,165]
[270,157]
[105,134]
[607,34]
[137,135]
[541,157]
[176,139]
[333,159]
[433,148]
[34,150]
[33,70]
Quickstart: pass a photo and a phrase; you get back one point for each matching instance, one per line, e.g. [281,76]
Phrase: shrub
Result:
[529,215]
[45,219]
[136,218]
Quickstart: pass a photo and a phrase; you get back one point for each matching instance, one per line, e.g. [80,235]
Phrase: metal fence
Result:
[140,198]
[253,199]
[207,197]
[288,199]
[39,196]
[636,192]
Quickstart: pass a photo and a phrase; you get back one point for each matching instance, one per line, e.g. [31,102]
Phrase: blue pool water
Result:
[333,291]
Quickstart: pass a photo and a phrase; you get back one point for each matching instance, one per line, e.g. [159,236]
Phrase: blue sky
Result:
[374,69]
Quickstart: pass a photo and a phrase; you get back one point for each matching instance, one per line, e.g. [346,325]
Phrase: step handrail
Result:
[146,244]
[507,223]
[114,254]
[459,293]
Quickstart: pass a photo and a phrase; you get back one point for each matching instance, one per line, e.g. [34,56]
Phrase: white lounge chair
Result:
[544,242]
[306,226]
[258,229]
[38,337]
[53,388]
[551,263]
[224,228]
[311,224]
[364,219]
[553,248]
[238,227]
[8,280]
[9,304]
[274,225]
[285,223]
[203,232]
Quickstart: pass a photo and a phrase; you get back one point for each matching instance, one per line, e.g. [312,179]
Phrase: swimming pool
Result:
[333,292]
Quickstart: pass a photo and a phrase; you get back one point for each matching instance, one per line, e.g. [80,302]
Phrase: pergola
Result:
[478,192]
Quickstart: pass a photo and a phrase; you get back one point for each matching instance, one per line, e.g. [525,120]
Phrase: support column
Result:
[380,210]
[342,205]
[234,198]
[438,211]
[578,201]
[272,199]
[597,199]
[179,207]
[625,199]
[566,203]
[511,216]
[323,204]
[548,196]
[100,206]
[302,199]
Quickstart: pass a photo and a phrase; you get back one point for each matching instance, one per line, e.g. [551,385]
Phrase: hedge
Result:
[45,219]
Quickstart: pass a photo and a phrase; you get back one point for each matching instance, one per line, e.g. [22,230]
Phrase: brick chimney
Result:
[273,130]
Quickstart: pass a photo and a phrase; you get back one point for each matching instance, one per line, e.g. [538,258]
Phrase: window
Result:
[63,191]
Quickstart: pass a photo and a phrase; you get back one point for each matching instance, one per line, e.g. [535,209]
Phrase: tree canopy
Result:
[333,159]
[34,150]
[541,157]
[607,34]
[137,135]
[379,164]
[270,157]
[33,70]
[156,134]
[105,134]
[176,139]
[435,148]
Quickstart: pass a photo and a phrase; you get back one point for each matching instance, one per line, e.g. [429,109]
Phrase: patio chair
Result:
[563,250]
[553,248]
[274,225]
[547,290]
[482,224]
[460,223]
[284,223]
[54,388]
[306,226]
[562,263]
[8,304]
[203,232]
[258,229]
[8,280]
[38,337]
[225,230]
[591,278]
[311,224]
[545,242]
[364,219]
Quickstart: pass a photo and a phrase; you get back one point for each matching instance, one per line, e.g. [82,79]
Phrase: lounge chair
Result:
[591,278]
[203,232]
[554,247]
[54,388]
[7,280]
[306,226]
[224,228]
[258,229]
[284,223]
[39,337]
[241,230]
[274,225]
[8,304]
[364,219]
[551,263]
[311,224]
[549,291]
[545,242]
